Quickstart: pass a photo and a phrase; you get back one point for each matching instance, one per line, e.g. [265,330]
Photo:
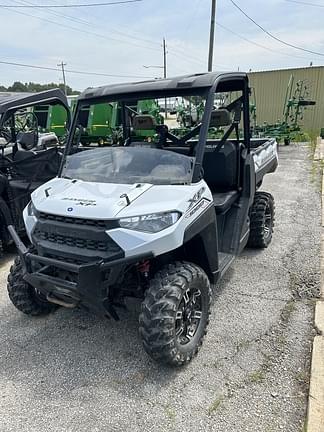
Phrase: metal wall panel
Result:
[270,91]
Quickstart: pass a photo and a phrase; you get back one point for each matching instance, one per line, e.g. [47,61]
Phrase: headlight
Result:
[151,223]
[31,210]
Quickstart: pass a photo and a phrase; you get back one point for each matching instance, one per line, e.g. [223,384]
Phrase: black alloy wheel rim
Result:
[188,316]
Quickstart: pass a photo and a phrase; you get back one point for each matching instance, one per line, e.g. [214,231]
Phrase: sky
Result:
[122,39]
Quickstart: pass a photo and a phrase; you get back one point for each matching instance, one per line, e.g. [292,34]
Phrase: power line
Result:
[305,3]
[70,5]
[173,51]
[82,30]
[111,29]
[257,44]
[71,71]
[88,23]
[273,36]
[183,54]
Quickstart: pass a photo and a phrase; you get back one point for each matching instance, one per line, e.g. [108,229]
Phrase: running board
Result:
[225,260]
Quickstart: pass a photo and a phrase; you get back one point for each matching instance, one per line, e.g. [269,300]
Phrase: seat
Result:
[224,200]
[220,173]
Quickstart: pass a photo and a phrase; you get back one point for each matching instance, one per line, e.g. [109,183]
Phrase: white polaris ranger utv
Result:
[158,219]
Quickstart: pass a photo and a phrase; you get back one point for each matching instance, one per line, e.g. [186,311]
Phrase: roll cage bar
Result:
[10,105]
[216,83]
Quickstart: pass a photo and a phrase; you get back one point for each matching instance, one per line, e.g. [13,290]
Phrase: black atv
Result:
[27,158]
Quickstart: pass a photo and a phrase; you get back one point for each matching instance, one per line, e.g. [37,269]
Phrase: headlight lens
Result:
[151,223]
[31,210]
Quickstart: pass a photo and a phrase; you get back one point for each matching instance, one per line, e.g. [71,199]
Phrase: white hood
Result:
[77,198]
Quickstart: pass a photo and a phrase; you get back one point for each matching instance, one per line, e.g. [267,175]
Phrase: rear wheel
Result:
[23,296]
[261,220]
[175,313]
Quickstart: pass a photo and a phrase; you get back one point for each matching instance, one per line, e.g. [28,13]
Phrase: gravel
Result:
[72,371]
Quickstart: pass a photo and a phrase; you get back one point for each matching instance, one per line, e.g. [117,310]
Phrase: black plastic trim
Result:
[204,229]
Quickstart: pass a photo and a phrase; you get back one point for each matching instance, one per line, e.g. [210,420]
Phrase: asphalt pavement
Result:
[72,371]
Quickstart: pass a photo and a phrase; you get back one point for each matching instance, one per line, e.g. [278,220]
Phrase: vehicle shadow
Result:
[251,253]
[68,350]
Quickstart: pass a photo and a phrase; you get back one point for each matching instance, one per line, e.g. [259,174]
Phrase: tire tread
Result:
[157,318]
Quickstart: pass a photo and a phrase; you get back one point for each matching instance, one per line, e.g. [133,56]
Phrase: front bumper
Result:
[88,286]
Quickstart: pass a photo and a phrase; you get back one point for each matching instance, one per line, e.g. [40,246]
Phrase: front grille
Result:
[79,221]
[81,243]
[74,238]
[99,223]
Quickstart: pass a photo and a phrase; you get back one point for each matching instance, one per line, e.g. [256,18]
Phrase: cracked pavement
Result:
[72,371]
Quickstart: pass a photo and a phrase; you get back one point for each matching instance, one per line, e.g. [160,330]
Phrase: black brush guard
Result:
[89,288]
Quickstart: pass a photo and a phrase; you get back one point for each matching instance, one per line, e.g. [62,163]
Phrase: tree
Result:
[17,87]
[32,87]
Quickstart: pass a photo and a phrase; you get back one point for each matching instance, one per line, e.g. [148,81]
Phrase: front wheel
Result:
[261,220]
[175,313]
[23,296]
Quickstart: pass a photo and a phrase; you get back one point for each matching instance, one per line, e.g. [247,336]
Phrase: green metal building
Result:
[270,92]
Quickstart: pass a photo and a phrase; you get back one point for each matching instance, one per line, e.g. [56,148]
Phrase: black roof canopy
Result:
[13,102]
[171,86]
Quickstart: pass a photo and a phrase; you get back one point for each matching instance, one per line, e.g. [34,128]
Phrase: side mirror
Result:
[220,117]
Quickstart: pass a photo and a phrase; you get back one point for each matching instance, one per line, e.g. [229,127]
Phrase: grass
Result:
[217,364]
[242,345]
[318,165]
[288,309]
[215,405]
[257,377]
[304,427]
[303,380]
[170,413]
[302,377]
[312,140]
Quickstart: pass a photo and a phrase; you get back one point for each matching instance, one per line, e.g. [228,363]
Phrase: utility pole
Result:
[63,73]
[164,67]
[165,73]
[164,59]
[212,36]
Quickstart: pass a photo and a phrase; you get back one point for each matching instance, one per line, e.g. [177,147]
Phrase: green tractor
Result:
[98,122]
[289,129]
[51,118]
[101,123]
[189,112]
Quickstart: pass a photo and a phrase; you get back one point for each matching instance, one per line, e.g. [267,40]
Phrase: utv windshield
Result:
[129,165]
